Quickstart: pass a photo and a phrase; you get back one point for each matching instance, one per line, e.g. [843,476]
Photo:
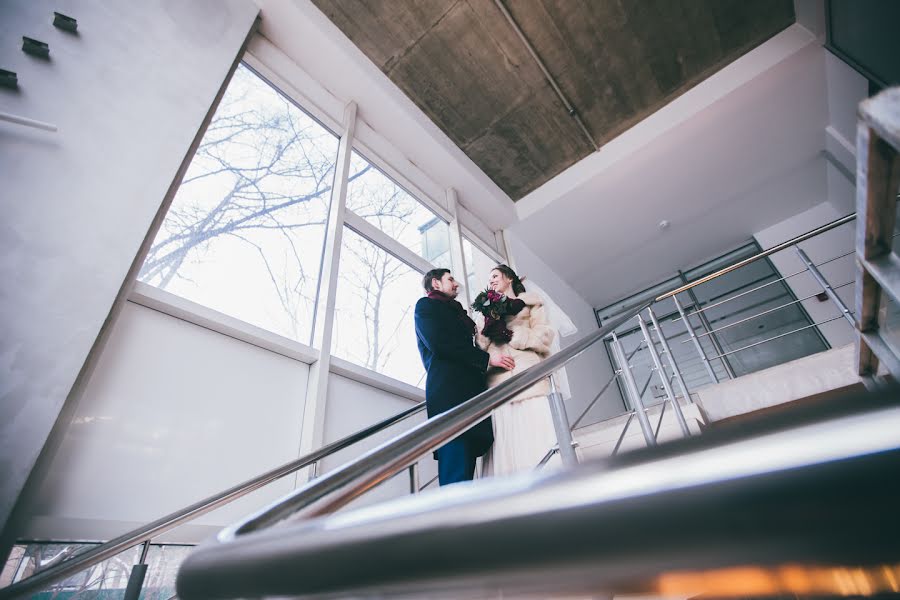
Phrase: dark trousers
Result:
[456,462]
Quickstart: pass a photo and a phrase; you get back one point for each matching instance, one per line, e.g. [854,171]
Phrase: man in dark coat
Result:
[456,371]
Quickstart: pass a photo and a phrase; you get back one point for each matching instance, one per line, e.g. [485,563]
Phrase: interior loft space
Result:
[231,365]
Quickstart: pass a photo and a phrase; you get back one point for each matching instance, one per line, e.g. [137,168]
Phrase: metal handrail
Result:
[96,555]
[132,538]
[765,312]
[777,248]
[335,489]
[317,492]
[605,387]
[775,337]
[739,496]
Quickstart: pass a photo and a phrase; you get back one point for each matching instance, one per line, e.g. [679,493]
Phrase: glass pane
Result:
[741,321]
[478,268]
[613,309]
[163,563]
[738,320]
[105,580]
[390,208]
[373,321]
[245,232]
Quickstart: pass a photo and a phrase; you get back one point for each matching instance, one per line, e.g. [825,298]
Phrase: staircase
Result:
[800,499]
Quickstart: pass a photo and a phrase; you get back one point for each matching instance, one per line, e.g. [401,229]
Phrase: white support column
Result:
[456,251]
[313,428]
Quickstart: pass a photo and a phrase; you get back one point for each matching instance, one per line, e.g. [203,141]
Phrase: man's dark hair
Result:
[433,274]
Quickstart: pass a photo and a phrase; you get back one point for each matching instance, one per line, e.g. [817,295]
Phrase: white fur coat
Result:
[530,344]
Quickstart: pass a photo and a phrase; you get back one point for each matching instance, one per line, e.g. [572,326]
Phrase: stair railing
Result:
[712,514]
[334,489]
[663,358]
[143,535]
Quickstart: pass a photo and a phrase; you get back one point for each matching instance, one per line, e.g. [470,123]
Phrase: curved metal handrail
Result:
[335,489]
[132,538]
[749,495]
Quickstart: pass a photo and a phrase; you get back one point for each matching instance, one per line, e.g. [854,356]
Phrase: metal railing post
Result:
[414,478]
[651,346]
[829,291]
[708,328]
[138,573]
[632,390]
[561,425]
[690,330]
[676,372]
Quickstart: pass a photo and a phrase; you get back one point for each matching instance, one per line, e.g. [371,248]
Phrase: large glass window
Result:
[246,229]
[478,267]
[390,208]
[737,331]
[373,320]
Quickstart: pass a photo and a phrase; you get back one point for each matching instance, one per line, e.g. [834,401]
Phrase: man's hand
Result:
[507,363]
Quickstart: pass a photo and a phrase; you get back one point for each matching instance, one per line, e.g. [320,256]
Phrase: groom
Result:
[456,370]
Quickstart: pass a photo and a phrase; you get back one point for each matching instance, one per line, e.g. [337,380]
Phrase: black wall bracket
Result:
[63,22]
[35,47]
[9,79]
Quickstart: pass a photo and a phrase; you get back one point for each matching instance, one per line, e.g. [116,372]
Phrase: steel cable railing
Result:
[659,370]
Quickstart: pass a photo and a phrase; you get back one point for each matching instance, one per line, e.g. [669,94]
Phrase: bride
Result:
[523,426]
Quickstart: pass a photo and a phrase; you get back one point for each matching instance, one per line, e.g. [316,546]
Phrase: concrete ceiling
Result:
[734,155]
[617,61]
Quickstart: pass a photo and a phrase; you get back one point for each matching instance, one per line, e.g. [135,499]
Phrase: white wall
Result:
[819,249]
[176,412]
[589,372]
[352,406]
[173,413]
[845,88]
[128,93]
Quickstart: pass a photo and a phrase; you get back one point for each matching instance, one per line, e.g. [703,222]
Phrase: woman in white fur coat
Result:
[523,427]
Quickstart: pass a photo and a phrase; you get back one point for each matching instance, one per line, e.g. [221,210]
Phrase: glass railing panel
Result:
[163,562]
[106,580]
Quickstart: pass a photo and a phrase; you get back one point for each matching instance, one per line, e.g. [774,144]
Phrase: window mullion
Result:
[386,242]
[313,427]
[482,245]
[456,249]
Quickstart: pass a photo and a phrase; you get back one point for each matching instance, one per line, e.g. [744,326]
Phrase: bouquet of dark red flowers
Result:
[495,307]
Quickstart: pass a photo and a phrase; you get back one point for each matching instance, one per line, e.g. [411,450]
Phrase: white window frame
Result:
[268,62]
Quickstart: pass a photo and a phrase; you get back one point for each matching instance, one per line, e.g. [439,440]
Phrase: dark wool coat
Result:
[456,367]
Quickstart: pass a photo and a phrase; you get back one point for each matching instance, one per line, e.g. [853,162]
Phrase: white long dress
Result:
[523,427]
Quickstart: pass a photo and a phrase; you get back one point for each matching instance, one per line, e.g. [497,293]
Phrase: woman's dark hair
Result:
[517,285]
[433,274]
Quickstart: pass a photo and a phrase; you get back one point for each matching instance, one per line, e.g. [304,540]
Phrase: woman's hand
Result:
[507,363]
